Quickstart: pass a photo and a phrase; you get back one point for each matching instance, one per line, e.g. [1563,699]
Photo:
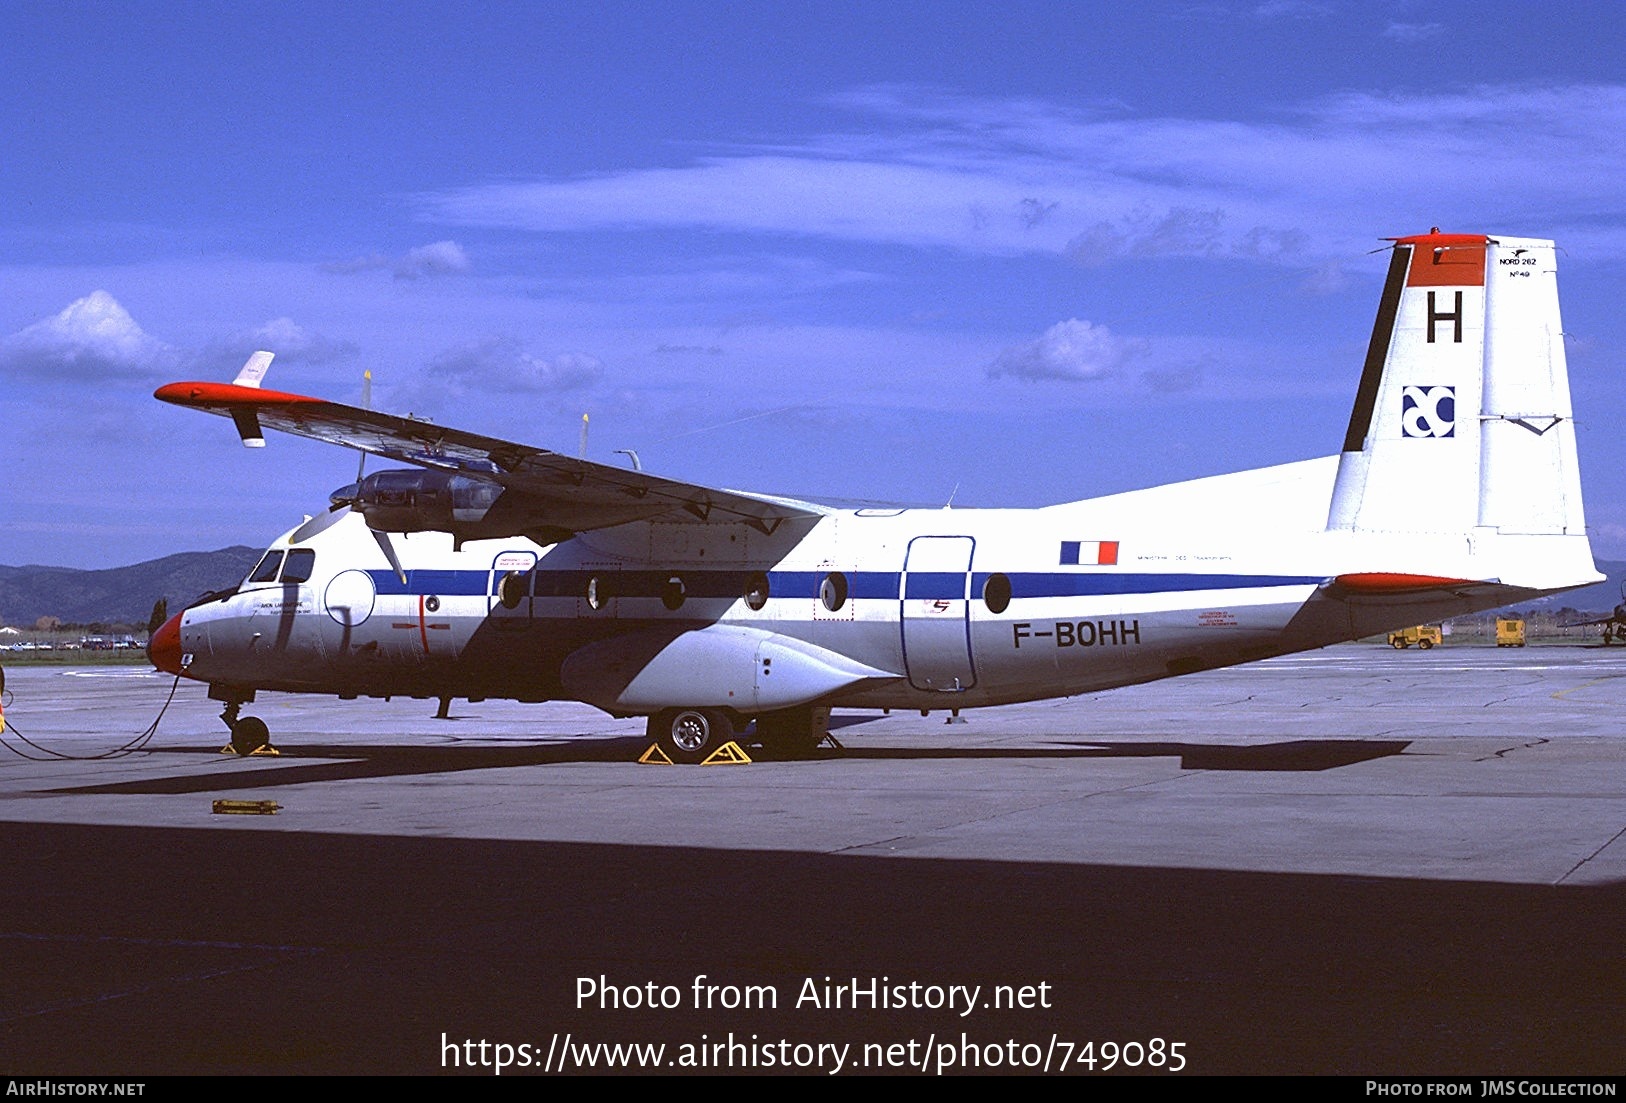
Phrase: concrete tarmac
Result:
[1353,861]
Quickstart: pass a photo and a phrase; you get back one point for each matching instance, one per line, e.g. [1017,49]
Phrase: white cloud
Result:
[500,364]
[1317,181]
[1072,350]
[92,338]
[439,258]
[1180,231]
[292,343]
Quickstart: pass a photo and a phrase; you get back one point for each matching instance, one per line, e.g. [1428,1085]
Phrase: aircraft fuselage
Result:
[928,609]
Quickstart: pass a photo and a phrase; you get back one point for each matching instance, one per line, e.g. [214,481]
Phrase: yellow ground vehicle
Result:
[1424,636]
[1509,632]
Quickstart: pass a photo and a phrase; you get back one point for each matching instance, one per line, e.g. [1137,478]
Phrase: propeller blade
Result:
[319,524]
[384,545]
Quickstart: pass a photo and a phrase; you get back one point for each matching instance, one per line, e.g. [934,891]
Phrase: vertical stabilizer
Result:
[1462,423]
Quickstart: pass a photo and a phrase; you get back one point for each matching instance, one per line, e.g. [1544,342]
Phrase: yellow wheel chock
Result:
[729,754]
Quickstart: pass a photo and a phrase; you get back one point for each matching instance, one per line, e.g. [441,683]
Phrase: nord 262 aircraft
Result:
[535,576]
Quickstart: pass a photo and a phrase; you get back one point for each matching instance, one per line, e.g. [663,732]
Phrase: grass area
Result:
[135,657]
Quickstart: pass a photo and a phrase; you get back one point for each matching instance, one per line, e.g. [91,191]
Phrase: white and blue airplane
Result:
[537,576]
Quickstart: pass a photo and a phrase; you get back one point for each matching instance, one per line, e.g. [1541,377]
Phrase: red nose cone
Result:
[164,649]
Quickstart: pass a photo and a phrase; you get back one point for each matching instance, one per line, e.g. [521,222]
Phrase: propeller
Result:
[382,539]
[320,523]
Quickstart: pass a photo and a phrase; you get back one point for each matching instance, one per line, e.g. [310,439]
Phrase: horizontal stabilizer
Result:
[1384,583]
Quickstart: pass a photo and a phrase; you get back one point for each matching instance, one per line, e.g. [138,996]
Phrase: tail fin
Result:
[1462,424]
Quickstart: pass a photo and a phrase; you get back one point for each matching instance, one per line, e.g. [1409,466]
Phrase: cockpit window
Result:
[300,566]
[268,568]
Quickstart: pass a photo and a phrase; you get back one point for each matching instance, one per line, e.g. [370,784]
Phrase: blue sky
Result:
[1016,253]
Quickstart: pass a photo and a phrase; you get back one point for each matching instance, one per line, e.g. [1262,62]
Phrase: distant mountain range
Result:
[127,593]
[118,594]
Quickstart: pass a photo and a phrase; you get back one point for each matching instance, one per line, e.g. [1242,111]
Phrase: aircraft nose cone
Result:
[164,649]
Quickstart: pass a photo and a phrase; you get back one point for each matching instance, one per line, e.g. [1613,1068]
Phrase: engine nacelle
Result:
[422,501]
[722,665]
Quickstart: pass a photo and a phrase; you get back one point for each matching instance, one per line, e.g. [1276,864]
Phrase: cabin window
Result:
[833,591]
[672,593]
[300,566]
[996,593]
[597,592]
[756,590]
[513,588]
[268,567]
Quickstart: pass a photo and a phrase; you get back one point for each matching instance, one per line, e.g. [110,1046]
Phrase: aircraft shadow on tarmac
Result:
[179,951]
[370,761]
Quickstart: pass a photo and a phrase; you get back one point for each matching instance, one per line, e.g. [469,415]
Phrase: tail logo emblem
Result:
[1428,412]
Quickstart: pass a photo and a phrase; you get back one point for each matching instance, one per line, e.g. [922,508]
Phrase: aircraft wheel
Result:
[690,735]
[249,734]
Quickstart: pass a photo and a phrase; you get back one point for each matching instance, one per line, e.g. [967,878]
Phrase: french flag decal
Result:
[1093,553]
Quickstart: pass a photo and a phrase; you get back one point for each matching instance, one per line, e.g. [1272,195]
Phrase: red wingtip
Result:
[227,394]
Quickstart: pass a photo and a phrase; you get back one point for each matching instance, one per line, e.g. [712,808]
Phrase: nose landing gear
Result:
[249,735]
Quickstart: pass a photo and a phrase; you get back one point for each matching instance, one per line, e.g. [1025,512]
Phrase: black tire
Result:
[1398,645]
[691,735]
[249,734]
[1425,644]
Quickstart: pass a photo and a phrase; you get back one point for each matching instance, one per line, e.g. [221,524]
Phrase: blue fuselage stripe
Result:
[1105,583]
[928,585]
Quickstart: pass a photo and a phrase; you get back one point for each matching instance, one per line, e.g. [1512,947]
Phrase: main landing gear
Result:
[689,736]
[249,735]
[692,735]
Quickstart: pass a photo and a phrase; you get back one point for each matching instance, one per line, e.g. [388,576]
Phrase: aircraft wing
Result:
[577,495]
